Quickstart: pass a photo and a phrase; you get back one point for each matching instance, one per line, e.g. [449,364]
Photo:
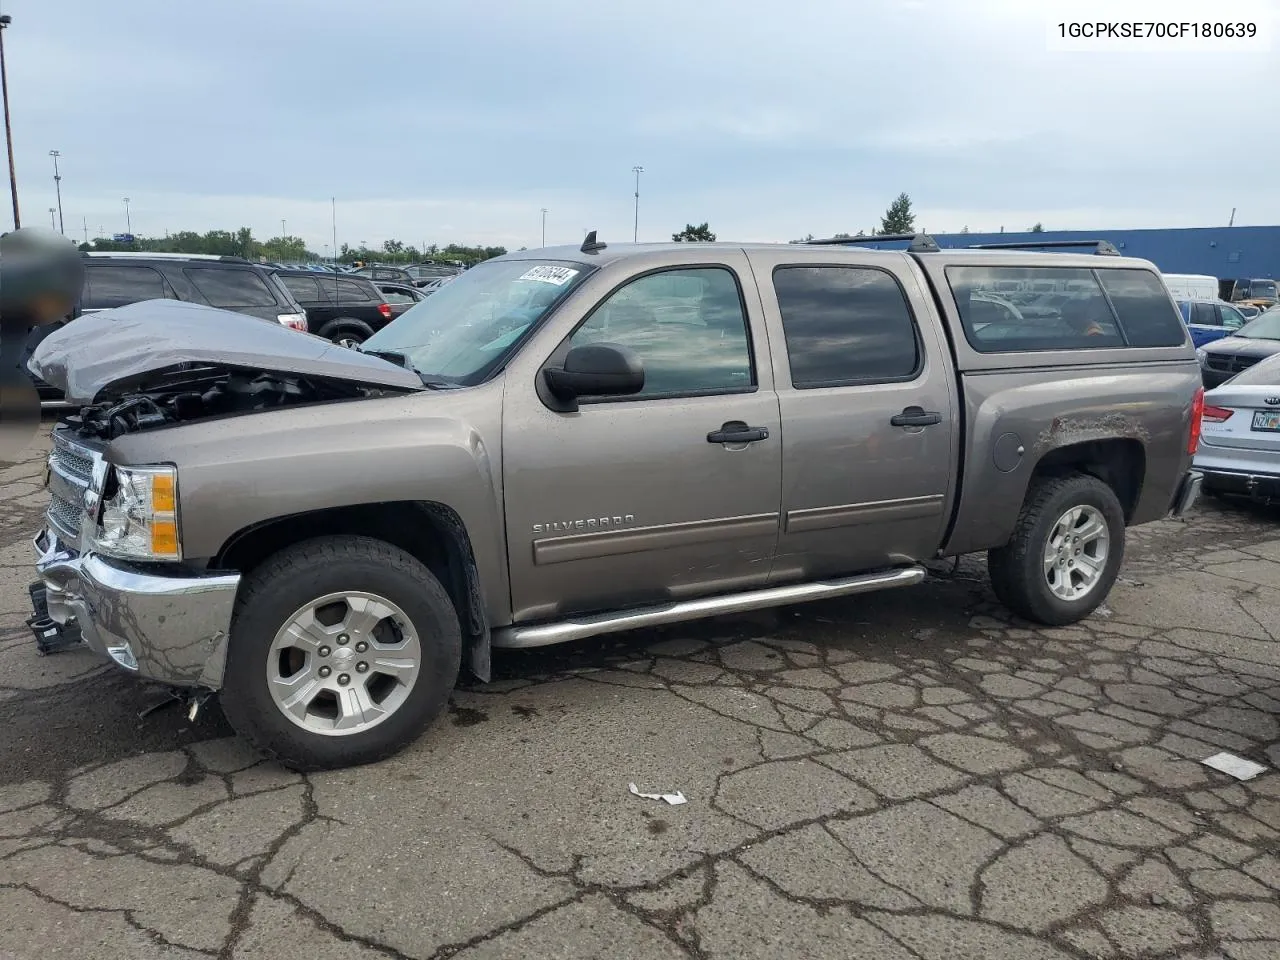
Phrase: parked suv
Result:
[568,442]
[229,283]
[347,310]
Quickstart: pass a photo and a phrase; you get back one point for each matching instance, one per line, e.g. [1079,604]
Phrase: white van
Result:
[1191,286]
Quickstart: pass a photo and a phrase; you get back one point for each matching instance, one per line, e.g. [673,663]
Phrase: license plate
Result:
[1266,420]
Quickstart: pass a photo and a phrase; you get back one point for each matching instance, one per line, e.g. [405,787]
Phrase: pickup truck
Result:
[568,442]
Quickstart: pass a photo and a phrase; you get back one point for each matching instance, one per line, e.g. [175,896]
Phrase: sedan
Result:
[1256,340]
[400,296]
[1239,450]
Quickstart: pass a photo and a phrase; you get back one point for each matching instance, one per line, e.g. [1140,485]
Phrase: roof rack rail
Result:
[920,242]
[1103,248]
[157,255]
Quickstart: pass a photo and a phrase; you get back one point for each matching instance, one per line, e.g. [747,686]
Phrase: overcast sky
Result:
[438,122]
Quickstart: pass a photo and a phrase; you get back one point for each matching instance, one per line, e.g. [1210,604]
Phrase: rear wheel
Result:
[347,332]
[1065,552]
[343,650]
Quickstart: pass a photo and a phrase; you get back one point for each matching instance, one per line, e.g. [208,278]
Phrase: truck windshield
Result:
[468,327]
[1265,327]
[1263,289]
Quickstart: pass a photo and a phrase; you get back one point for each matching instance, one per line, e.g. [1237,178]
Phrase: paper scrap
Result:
[549,274]
[1234,766]
[675,799]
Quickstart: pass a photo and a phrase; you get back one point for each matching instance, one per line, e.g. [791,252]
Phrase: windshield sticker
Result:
[547,274]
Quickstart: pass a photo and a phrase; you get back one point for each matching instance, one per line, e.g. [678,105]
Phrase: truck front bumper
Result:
[171,629]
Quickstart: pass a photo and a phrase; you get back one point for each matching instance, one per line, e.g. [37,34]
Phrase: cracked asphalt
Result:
[905,775]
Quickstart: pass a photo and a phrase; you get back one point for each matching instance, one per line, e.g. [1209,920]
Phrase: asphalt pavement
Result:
[905,775]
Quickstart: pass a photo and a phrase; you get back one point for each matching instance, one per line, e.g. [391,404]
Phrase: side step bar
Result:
[545,634]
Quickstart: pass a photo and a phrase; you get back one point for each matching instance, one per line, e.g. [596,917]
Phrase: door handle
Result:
[735,431]
[916,417]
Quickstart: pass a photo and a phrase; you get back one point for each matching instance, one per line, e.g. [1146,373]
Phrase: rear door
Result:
[867,396]
[1205,323]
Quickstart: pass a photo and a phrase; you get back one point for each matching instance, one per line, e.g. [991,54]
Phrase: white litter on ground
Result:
[675,799]
[1234,766]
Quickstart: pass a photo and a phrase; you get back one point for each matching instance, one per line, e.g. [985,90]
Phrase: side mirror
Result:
[596,370]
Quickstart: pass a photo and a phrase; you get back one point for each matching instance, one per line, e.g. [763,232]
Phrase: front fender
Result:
[241,471]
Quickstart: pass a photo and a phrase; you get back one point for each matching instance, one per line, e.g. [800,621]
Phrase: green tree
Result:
[1038,228]
[898,218]
[842,236]
[691,234]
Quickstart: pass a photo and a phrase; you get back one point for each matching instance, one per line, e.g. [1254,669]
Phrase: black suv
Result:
[231,283]
[346,309]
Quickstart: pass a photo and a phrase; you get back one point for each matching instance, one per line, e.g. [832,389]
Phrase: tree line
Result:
[242,243]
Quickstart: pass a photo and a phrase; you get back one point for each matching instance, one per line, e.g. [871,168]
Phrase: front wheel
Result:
[343,650]
[1065,552]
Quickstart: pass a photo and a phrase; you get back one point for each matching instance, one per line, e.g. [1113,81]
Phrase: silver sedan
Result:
[1239,450]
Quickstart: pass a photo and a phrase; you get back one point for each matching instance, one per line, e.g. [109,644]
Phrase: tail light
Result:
[385,310]
[1216,414]
[1197,412]
[294,321]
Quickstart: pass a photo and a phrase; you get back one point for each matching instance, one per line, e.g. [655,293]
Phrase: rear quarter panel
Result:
[1042,401]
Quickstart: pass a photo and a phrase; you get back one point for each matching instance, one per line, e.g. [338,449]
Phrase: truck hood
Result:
[1243,346]
[125,347]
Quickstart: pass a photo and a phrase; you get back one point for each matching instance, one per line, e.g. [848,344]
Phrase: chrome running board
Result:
[545,634]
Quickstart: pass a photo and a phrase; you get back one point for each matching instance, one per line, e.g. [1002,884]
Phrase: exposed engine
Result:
[209,392]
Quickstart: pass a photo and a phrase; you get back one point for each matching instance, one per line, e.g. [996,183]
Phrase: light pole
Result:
[5,20]
[637,170]
[544,226]
[57,185]
[128,221]
[282,233]
[53,224]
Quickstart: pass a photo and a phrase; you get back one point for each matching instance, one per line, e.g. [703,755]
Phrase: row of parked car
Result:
[346,307]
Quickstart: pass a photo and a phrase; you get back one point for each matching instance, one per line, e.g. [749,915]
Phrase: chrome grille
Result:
[70,471]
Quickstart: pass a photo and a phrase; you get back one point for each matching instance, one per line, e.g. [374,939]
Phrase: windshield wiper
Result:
[402,360]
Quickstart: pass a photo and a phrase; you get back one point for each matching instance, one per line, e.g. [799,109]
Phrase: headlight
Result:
[138,515]
[1201,355]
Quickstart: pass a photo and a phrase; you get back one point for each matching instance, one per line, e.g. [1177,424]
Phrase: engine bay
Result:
[202,394]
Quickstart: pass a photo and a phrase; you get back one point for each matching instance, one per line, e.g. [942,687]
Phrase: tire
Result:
[1020,574]
[346,331]
[398,703]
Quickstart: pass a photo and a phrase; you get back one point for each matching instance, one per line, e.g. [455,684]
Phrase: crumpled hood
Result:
[99,349]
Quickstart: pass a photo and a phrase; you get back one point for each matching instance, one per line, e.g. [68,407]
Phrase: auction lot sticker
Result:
[548,274]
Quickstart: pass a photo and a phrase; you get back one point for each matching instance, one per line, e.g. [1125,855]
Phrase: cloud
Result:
[443,122]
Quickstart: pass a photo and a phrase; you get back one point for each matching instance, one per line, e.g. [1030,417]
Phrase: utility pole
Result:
[5,20]
[1232,221]
[86,229]
[544,226]
[128,220]
[57,185]
[637,170]
[282,233]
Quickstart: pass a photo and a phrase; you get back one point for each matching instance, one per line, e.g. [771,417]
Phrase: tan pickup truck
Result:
[567,442]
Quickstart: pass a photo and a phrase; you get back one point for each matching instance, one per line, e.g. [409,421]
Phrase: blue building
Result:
[1223,252]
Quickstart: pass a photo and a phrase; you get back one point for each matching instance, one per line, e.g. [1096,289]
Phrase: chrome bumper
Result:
[170,629]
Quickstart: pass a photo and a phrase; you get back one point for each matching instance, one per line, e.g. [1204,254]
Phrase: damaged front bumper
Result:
[171,629]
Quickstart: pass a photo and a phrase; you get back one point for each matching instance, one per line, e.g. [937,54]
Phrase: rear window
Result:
[304,289]
[1013,309]
[231,288]
[349,291]
[116,286]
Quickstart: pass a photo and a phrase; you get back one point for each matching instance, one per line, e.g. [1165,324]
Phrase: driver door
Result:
[630,500]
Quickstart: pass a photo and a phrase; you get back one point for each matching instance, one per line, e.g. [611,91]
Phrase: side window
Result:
[109,286]
[1073,315]
[1204,315]
[349,292]
[304,289]
[230,287]
[1141,302]
[687,326]
[1232,319]
[845,325]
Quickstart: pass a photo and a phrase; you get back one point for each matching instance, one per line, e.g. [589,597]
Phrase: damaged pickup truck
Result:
[569,442]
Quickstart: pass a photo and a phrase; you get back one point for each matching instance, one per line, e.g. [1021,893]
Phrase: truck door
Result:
[649,497]
[867,393]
